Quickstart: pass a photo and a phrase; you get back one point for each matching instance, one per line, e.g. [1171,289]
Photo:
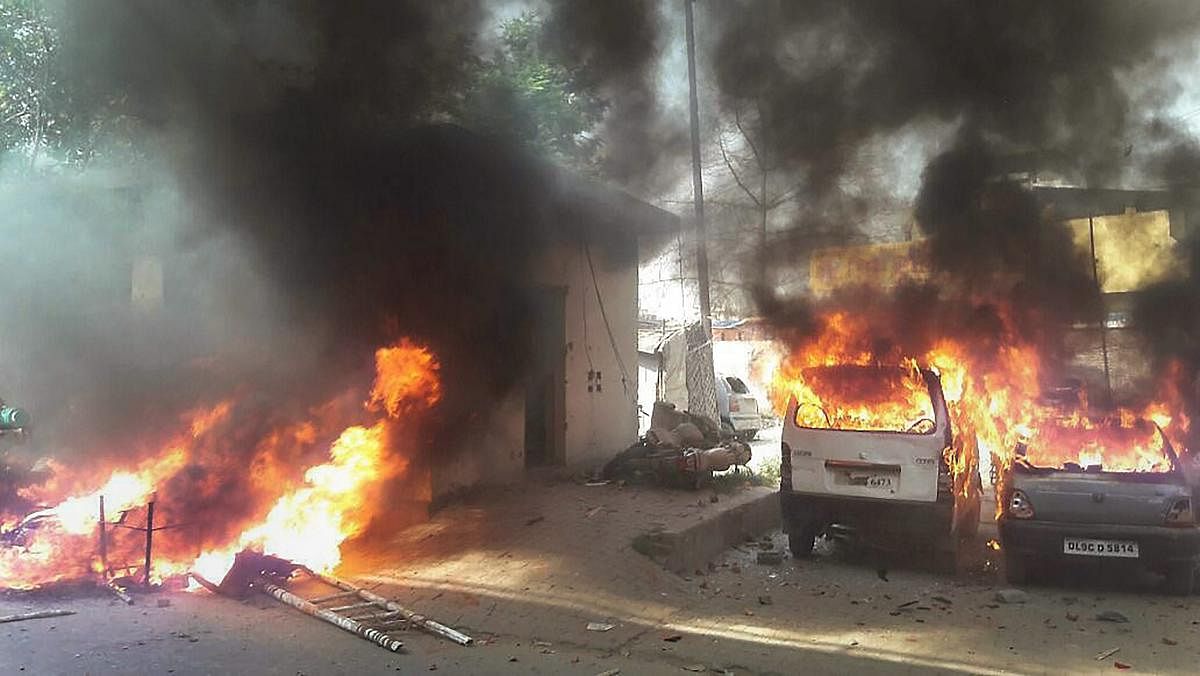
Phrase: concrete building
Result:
[578,404]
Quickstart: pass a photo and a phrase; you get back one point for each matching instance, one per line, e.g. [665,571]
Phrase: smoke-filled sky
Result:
[298,210]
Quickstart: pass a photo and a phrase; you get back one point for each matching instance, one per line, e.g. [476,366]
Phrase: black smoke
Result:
[1030,87]
[828,75]
[613,47]
[309,139]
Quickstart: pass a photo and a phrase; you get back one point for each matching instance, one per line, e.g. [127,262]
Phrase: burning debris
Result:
[304,517]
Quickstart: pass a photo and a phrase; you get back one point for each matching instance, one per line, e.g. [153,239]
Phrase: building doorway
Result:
[545,392]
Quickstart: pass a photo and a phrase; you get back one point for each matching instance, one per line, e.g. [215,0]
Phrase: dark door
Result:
[545,393]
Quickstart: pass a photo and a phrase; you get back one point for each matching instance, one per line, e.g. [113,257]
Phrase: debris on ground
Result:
[942,600]
[599,626]
[1011,596]
[1122,665]
[698,668]
[1169,641]
[673,638]
[256,572]
[119,592]
[1111,616]
[1103,655]
[534,520]
[679,449]
[1071,617]
[21,617]
[765,600]
[772,557]
[610,672]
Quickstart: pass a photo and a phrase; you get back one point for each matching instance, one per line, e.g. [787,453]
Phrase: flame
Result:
[302,516]
[309,525]
[406,376]
[993,396]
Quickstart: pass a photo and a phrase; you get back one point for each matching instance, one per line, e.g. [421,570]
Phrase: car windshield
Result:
[1095,444]
[864,398]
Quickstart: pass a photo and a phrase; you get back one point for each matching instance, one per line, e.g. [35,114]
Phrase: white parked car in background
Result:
[738,407]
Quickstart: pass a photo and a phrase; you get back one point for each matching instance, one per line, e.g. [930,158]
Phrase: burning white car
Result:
[864,449]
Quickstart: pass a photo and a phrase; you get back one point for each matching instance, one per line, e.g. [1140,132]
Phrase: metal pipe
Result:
[1103,313]
[374,635]
[203,582]
[431,626]
[119,593]
[149,537]
[697,174]
[333,597]
[35,615]
[103,531]
[353,606]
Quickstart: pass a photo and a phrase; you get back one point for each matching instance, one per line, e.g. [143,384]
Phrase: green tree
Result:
[521,92]
[31,98]
[44,122]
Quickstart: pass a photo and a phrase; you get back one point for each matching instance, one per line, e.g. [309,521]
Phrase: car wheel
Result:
[1181,579]
[801,541]
[1016,569]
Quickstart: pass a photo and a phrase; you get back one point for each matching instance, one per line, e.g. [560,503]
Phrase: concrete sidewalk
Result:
[686,544]
[680,529]
[544,556]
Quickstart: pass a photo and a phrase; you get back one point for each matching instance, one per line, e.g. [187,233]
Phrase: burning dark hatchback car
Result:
[1112,490]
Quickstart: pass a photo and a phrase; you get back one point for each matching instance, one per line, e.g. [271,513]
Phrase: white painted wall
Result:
[599,423]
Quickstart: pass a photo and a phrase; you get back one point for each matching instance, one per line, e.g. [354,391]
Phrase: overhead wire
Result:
[607,326]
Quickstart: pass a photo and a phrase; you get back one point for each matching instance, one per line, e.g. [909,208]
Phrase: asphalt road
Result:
[527,588]
[825,615]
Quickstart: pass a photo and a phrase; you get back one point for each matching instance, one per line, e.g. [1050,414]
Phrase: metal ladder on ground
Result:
[361,612]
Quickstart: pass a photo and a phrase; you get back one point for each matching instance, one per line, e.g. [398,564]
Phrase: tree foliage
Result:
[44,122]
[32,110]
[519,92]
[523,93]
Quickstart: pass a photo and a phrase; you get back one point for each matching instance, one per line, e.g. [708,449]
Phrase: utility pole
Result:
[697,178]
[701,377]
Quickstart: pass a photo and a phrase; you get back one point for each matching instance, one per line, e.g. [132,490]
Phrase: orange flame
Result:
[406,377]
[994,401]
[305,522]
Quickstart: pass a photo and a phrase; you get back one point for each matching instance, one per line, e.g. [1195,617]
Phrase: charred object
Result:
[679,449]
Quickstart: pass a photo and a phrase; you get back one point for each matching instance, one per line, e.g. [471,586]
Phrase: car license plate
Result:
[1117,548]
[880,481]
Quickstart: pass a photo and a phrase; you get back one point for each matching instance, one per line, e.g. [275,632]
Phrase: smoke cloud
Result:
[1028,85]
[305,205]
[614,46]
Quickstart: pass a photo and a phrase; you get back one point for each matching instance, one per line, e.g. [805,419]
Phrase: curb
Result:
[691,548]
